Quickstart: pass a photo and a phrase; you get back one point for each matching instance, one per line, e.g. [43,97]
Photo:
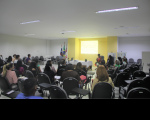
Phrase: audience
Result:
[14,58]
[28,60]
[20,68]
[17,58]
[49,62]
[9,74]
[102,76]
[117,63]
[38,66]
[9,60]
[49,72]
[33,69]
[29,90]
[70,73]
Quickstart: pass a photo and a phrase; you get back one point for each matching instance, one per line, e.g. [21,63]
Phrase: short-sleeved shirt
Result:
[22,96]
[27,60]
[61,57]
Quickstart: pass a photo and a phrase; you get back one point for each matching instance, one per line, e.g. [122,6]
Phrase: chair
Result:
[139,74]
[5,88]
[60,71]
[114,73]
[131,61]
[102,90]
[138,93]
[147,82]
[127,70]
[134,84]
[57,93]
[29,74]
[43,78]
[133,69]
[32,57]
[41,60]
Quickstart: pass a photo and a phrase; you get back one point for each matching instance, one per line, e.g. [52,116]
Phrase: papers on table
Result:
[57,77]
[10,92]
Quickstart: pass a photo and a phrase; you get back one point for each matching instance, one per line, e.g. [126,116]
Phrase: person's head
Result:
[62,62]
[17,57]
[10,66]
[117,62]
[79,66]
[32,65]
[9,59]
[35,60]
[102,74]
[30,86]
[69,67]
[99,55]
[29,55]
[14,55]
[47,68]
[19,64]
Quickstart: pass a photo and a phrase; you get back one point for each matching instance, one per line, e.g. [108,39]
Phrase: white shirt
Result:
[15,61]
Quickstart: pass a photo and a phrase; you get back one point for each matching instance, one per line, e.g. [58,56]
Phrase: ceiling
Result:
[74,15]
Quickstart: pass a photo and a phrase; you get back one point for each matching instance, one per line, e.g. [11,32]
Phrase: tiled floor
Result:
[85,97]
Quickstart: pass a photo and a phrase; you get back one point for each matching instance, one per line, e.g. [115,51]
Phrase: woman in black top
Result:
[80,68]
[9,60]
[50,73]
[33,69]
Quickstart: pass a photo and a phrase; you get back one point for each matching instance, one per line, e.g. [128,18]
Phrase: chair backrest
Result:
[3,84]
[133,69]
[135,84]
[147,82]
[32,57]
[102,90]
[81,73]
[57,92]
[37,57]
[139,74]
[127,70]
[69,84]
[42,58]
[29,74]
[131,60]
[43,78]
[139,92]
[21,85]
[60,71]
[120,79]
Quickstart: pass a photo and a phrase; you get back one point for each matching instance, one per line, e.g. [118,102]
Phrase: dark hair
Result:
[62,61]
[19,64]
[10,65]
[29,55]
[47,68]
[99,55]
[69,67]
[79,66]
[35,60]
[49,62]
[32,65]
[14,55]
[17,56]
[9,59]
[29,86]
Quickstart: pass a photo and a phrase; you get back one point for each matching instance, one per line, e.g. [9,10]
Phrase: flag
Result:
[64,51]
[61,50]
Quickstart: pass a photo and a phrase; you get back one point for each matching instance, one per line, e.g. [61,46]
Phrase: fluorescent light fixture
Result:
[29,34]
[127,28]
[30,22]
[119,9]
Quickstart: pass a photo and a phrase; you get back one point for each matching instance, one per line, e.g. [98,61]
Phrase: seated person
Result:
[98,60]
[62,57]
[117,63]
[20,68]
[124,61]
[110,61]
[102,76]
[17,58]
[49,72]
[9,60]
[33,69]
[63,65]
[14,58]
[49,62]
[70,73]
[9,74]
[80,68]
[119,58]
[38,66]
[29,90]
[28,60]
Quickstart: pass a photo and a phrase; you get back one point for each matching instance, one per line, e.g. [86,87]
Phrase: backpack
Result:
[83,78]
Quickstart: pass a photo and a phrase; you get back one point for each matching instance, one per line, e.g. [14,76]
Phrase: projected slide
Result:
[89,47]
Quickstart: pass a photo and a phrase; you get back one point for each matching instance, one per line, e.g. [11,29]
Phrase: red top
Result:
[99,59]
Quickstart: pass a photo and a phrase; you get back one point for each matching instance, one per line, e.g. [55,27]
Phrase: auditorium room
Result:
[74,49]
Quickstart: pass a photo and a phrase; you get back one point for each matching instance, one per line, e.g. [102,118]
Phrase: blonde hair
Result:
[5,70]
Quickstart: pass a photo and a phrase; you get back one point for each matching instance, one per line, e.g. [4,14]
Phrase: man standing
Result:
[62,57]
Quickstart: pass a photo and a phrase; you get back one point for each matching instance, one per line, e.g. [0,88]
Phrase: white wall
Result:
[55,46]
[10,45]
[134,46]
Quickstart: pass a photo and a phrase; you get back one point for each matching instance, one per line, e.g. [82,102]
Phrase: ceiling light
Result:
[115,10]
[30,22]
[28,34]
[127,28]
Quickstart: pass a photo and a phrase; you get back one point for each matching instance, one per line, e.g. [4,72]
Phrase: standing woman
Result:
[20,68]
[14,58]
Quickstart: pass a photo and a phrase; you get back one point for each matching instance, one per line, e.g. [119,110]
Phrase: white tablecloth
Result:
[87,64]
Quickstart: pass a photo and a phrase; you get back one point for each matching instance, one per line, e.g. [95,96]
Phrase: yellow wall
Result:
[102,49]
[77,47]
[112,45]
[71,48]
